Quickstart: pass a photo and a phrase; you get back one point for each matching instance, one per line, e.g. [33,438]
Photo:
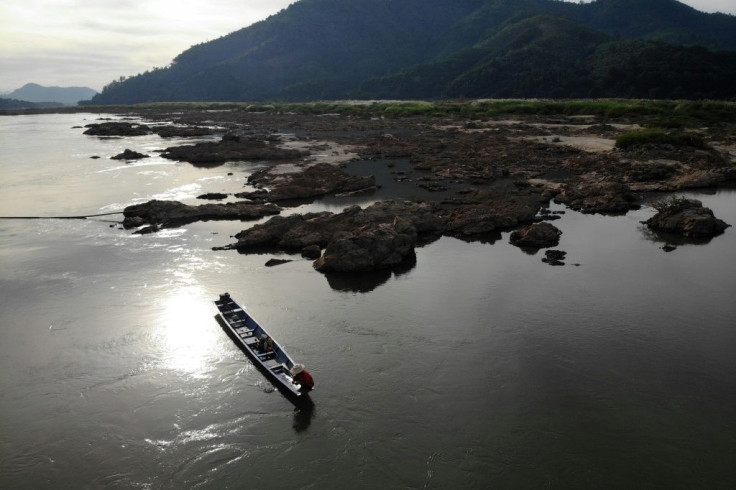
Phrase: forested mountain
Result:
[658,20]
[547,56]
[337,49]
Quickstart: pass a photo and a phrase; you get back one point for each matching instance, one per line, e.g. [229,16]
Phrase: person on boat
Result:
[302,376]
[265,343]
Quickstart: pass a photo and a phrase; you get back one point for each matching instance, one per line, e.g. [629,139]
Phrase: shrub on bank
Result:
[641,137]
[672,204]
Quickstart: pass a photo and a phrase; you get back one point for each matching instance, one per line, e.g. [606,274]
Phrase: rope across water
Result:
[61,217]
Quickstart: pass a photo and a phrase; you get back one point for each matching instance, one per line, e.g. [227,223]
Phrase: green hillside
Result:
[548,56]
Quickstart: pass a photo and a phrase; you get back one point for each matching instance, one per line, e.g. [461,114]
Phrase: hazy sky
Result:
[91,42]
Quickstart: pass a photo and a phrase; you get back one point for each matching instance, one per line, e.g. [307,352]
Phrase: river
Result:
[478,366]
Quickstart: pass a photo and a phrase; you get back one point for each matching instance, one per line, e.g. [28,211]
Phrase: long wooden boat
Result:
[275,363]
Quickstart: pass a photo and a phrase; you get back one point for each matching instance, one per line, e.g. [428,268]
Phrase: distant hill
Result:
[32,92]
[13,104]
[337,49]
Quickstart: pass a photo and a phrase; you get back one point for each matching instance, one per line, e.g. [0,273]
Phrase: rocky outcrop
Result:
[315,181]
[686,217]
[275,262]
[485,214]
[369,248]
[554,257]
[698,179]
[297,232]
[538,235]
[123,128]
[213,196]
[232,148]
[288,233]
[129,155]
[426,217]
[383,234]
[182,131]
[495,179]
[167,214]
[593,194]
[117,128]
[311,252]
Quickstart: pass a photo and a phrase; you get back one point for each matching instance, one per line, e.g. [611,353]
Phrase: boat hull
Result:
[245,331]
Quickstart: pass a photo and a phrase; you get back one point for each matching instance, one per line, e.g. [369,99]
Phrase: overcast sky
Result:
[91,42]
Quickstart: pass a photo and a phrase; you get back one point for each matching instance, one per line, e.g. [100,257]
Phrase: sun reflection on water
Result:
[187,332]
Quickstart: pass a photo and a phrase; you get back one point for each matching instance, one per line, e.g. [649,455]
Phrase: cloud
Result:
[79,42]
[710,6]
[724,6]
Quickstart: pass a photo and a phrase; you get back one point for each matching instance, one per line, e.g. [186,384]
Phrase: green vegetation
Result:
[641,137]
[686,113]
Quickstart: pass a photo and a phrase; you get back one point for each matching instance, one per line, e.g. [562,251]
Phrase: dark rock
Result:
[432,186]
[369,248]
[147,230]
[383,234]
[669,248]
[653,170]
[133,222]
[687,217]
[295,232]
[491,213]
[95,157]
[554,257]
[312,252]
[315,181]
[229,149]
[117,128]
[538,235]
[182,131]
[169,214]
[548,217]
[287,233]
[592,194]
[380,236]
[215,196]
[275,262]
[129,155]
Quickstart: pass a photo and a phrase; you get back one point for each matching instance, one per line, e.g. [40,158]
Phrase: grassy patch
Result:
[641,137]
